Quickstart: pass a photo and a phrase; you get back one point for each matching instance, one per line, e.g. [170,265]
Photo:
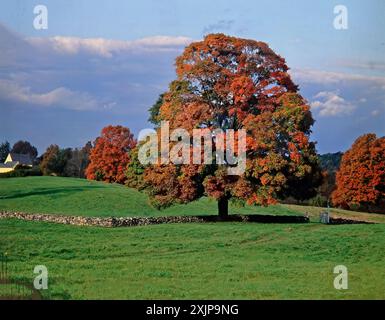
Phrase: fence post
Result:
[324,217]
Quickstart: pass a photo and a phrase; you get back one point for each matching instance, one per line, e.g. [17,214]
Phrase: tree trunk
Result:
[223,208]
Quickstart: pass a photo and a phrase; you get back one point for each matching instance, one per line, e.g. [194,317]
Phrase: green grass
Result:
[183,261]
[199,261]
[90,198]
[11,291]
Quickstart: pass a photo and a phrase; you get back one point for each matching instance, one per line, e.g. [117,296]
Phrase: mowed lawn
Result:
[199,261]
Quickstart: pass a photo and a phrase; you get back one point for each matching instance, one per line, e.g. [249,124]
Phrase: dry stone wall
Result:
[140,221]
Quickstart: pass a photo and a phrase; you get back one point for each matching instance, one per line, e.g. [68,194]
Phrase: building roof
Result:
[22,159]
[10,164]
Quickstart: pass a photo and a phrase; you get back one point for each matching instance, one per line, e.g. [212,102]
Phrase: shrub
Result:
[35,171]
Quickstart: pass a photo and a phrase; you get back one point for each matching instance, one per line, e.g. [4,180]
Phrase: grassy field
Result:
[183,261]
[199,261]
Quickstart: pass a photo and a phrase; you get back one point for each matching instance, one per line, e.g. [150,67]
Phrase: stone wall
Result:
[139,221]
[347,221]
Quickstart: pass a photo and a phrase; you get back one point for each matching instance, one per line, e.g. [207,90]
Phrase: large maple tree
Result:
[109,156]
[224,83]
[360,181]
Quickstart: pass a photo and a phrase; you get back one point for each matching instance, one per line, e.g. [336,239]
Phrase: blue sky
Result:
[57,87]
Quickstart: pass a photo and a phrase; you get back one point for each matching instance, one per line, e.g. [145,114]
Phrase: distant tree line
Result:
[65,162]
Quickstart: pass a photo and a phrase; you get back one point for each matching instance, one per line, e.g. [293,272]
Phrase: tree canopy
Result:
[109,156]
[224,83]
[5,148]
[360,181]
[24,147]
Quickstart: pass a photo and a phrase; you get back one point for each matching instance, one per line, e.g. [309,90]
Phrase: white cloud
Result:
[73,73]
[107,47]
[327,77]
[331,104]
[58,97]
[340,93]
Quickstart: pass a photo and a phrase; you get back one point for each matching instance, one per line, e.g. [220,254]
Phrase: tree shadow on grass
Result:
[50,191]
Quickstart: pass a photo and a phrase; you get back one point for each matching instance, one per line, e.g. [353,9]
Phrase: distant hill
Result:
[330,161]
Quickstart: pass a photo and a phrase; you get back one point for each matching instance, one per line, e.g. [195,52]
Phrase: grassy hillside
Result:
[90,198]
[216,261]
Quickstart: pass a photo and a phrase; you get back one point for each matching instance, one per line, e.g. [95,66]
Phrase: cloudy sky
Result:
[105,62]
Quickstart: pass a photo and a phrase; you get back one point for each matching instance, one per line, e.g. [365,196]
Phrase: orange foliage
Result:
[109,156]
[360,180]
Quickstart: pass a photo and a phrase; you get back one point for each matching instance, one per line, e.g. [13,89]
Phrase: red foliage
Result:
[230,83]
[109,156]
[360,180]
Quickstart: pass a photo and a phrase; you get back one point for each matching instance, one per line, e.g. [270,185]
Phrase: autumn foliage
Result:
[230,83]
[360,181]
[109,156]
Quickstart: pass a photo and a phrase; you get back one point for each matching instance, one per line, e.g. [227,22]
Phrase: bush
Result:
[35,171]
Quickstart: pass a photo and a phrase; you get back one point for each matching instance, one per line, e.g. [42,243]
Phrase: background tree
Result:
[5,148]
[84,158]
[330,161]
[49,159]
[65,162]
[135,170]
[78,162]
[109,156]
[63,157]
[24,147]
[54,160]
[360,180]
[72,166]
[230,83]
[154,110]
